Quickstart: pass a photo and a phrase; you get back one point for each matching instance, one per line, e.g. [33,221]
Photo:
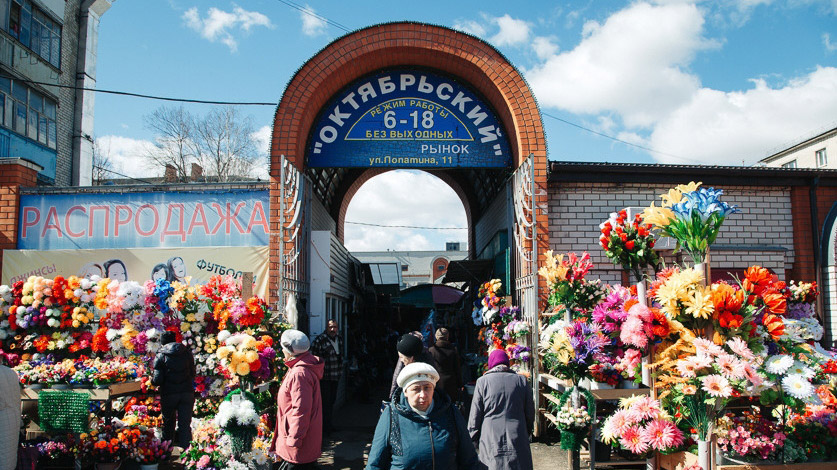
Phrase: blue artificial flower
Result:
[704,201]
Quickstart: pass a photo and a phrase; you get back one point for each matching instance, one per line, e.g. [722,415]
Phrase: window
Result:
[35,30]
[405,267]
[28,112]
[822,158]
[440,267]
[790,164]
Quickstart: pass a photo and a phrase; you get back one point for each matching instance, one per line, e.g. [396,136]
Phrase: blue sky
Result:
[715,82]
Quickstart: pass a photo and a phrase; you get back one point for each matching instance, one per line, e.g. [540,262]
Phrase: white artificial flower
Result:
[799,368]
[223,335]
[778,364]
[797,386]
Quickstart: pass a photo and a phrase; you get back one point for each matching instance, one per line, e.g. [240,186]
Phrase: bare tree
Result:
[102,164]
[221,142]
[227,148]
[174,143]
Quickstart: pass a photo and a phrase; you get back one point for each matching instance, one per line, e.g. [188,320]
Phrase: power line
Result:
[407,226]
[98,167]
[648,149]
[139,95]
[308,12]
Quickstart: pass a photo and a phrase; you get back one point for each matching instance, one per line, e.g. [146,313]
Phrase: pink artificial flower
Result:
[646,408]
[752,375]
[706,348]
[739,346]
[686,368]
[203,462]
[642,312]
[731,367]
[716,386]
[662,434]
[633,332]
[618,422]
[630,360]
[632,440]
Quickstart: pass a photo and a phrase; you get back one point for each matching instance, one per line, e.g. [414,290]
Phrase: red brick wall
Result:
[13,176]
[406,44]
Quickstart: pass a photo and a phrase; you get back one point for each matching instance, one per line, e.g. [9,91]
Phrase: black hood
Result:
[173,349]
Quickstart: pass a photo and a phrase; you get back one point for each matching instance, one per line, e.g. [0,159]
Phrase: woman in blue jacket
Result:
[420,429]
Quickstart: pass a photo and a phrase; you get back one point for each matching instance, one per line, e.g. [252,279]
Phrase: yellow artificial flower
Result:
[658,217]
[184,327]
[553,270]
[675,195]
[190,317]
[699,304]
[627,402]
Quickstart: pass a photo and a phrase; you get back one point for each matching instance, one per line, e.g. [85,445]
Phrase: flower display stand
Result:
[29,399]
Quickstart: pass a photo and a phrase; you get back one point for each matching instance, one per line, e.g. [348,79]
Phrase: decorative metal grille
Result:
[294,233]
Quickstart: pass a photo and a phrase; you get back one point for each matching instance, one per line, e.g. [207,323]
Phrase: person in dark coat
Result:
[446,356]
[410,350]
[420,429]
[174,373]
[502,416]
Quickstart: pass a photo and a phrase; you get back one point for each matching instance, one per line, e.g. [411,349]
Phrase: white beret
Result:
[417,372]
[294,341]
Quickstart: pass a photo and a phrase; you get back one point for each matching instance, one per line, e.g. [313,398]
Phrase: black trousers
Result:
[284,465]
[177,411]
[328,392]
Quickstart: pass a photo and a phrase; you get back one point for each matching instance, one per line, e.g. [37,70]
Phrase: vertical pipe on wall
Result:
[816,246]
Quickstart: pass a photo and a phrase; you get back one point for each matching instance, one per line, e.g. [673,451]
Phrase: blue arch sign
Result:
[408,119]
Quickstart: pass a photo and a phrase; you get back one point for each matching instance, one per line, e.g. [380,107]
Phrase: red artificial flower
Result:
[730,320]
[629,244]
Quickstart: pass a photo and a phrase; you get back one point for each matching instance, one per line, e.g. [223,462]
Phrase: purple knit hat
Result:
[497,357]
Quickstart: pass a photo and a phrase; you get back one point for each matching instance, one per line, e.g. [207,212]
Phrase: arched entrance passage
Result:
[366,175]
[465,58]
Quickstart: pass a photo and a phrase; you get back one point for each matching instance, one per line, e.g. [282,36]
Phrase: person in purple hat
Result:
[502,416]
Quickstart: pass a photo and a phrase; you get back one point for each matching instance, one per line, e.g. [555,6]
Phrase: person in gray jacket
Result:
[502,416]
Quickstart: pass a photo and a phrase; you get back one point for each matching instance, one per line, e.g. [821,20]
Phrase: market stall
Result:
[84,348]
[711,375]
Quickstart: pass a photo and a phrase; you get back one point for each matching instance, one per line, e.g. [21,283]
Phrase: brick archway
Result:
[390,45]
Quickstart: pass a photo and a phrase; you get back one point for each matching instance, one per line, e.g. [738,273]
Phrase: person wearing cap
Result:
[420,428]
[298,436]
[410,349]
[446,356]
[9,415]
[502,416]
[174,373]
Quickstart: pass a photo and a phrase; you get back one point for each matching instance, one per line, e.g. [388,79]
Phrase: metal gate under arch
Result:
[524,230]
[294,233]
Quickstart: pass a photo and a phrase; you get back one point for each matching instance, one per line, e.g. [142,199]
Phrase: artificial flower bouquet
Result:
[700,385]
[750,437]
[102,445]
[572,417]
[571,349]
[640,425]
[491,300]
[246,357]
[692,216]
[629,244]
[801,300]
[238,417]
[569,290]
[148,449]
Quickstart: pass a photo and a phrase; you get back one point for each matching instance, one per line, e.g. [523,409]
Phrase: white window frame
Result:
[822,157]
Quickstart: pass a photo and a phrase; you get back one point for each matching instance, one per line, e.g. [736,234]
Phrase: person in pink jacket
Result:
[298,437]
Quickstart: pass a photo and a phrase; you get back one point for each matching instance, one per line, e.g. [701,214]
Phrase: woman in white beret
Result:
[420,429]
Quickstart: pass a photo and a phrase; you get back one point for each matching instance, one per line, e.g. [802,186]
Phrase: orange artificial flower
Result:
[775,301]
[726,297]
[756,279]
[774,325]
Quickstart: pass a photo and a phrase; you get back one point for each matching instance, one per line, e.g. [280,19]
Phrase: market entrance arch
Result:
[407,95]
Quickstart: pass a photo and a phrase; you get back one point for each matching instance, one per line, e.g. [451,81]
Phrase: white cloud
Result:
[512,31]
[730,127]
[127,155]
[404,197]
[633,64]
[826,41]
[311,25]
[544,47]
[471,27]
[221,26]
